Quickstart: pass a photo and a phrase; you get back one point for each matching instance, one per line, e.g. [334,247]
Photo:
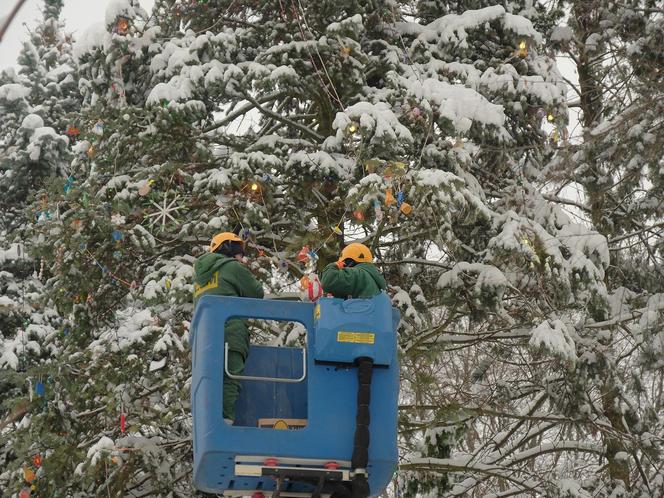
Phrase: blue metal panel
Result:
[330,402]
[354,328]
[272,399]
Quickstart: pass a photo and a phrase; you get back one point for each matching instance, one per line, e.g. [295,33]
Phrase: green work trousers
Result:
[232,386]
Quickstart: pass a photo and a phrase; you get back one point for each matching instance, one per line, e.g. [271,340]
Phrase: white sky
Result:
[78,15]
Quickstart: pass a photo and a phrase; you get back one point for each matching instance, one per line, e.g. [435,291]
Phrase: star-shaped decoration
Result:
[163,213]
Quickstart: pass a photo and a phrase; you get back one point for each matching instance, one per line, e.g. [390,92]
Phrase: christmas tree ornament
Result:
[90,152]
[378,212]
[314,288]
[523,49]
[164,210]
[69,184]
[40,389]
[406,208]
[117,235]
[123,420]
[145,188]
[415,112]
[261,253]
[168,284]
[303,255]
[28,475]
[358,215]
[72,131]
[24,493]
[98,128]
[400,198]
[304,282]
[245,234]
[337,230]
[550,117]
[36,460]
[389,198]
[121,25]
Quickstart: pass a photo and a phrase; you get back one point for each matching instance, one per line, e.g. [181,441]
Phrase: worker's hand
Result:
[340,265]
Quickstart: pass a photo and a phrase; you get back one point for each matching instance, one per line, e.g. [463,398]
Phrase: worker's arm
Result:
[245,282]
[340,282]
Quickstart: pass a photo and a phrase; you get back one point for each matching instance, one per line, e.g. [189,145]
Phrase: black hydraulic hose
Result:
[360,458]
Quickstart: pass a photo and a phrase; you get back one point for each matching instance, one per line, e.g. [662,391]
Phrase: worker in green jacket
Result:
[221,273]
[353,275]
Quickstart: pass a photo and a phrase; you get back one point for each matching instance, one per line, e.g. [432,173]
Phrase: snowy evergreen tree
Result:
[437,133]
[33,149]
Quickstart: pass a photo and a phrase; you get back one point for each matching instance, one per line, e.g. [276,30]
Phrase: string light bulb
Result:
[121,25]
[254,187]
[523,49]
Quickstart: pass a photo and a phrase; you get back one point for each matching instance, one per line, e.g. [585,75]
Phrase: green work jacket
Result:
[360,281]
[223,276]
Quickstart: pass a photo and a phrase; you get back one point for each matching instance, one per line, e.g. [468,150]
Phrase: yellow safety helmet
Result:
[222,237]
[357,252]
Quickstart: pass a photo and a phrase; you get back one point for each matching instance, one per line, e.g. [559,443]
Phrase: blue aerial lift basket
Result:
[318,384]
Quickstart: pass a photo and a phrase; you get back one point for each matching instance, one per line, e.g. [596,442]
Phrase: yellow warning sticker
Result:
[317,312]
[356,337]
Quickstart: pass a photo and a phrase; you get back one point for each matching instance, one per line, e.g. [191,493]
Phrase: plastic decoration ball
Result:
[245,233]
[117,235]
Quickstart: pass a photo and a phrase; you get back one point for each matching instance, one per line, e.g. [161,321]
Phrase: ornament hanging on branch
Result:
[245,234]
[163,213]
[378,212]
[389,198]
[98,128]
[121,25]
[72,132]
[303,255]
[145,188]
[69,184]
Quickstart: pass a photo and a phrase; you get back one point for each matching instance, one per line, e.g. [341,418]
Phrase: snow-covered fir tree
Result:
[437,133]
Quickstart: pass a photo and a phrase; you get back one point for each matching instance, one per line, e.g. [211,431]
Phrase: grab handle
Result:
[266,379]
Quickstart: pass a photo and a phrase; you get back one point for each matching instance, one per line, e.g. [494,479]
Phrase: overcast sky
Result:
[78,15]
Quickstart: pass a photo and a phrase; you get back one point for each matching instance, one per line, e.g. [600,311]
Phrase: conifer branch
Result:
[307,131]
[10,18]
[243,110]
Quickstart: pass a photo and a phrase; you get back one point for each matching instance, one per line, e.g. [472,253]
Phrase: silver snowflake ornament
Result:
[163,213]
